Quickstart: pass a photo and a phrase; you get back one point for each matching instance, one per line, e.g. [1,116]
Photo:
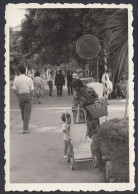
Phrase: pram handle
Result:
[77,109]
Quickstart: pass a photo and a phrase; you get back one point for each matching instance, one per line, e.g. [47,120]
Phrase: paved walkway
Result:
[38,157]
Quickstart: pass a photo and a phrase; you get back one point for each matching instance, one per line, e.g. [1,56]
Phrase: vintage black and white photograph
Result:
[69,97]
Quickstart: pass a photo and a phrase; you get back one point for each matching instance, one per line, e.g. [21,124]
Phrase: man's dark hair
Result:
[37,74]
[60,71]
[22,69]
[64,116]
[77,83]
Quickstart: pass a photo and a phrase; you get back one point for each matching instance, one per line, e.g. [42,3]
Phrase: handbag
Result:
[97,109]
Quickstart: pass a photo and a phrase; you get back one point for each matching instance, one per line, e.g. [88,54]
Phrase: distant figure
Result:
[39,87]
[49,80]
[29,73]
[107,84]
[23,88]
[59,82]
[69,83]
[122,88]
[33,73]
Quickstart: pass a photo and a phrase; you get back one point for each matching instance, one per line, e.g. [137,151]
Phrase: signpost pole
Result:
[97,79]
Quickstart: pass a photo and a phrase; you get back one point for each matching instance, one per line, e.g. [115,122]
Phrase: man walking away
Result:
[69,83]
[59,82]
[23,88]
[49,80]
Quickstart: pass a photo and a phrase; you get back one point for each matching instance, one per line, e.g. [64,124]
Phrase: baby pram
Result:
[80,141]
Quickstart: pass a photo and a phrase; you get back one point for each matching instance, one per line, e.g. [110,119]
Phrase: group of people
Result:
[59,81]
[119,90]
[25,88]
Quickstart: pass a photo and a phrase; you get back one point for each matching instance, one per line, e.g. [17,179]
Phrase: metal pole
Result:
[97,71]
[88,69]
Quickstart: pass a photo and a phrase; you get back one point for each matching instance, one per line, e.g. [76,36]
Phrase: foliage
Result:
[52,35]
[15,51]
[114,146]
[116,32]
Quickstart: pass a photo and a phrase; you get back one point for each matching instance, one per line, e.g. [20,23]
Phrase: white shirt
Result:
[23,84]
[66,135]
[108,82]
[49,75]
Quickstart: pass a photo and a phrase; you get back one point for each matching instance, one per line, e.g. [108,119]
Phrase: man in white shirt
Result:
[49,80]
[107,84]
[23,88]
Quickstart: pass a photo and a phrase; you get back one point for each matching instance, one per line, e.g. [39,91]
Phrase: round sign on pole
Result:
[87,46]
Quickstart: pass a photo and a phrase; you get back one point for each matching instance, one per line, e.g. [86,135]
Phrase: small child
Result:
[66,118]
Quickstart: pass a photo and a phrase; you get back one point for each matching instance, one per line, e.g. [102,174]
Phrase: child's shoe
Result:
[68,159]
[39,102]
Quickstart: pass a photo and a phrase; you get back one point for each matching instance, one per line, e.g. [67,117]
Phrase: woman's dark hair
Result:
[37,74]
[22,69]
[64,116]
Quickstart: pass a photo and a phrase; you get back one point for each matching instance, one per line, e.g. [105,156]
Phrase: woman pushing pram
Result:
[83,97]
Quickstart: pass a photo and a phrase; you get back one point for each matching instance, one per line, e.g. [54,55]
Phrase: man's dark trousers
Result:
[59,90]
[25,105]
[50,84]
[70,91]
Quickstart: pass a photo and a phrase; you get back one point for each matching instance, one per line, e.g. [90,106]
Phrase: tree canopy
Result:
[51,34]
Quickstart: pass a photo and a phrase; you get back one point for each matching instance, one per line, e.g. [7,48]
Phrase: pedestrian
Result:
[66,118]
[23,88]
[107,84]
[122,88]
[59,82]
[69,83]
[49,79]
[38,87]
[29,73]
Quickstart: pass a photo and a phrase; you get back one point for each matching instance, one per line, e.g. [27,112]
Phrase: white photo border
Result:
[71,186]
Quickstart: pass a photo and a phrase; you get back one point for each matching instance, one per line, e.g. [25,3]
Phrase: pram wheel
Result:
[94,161]
[71,163]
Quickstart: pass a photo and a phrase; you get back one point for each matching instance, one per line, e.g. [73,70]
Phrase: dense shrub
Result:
[114,145]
